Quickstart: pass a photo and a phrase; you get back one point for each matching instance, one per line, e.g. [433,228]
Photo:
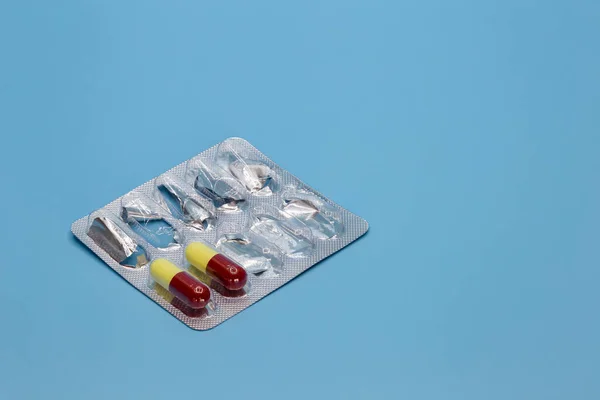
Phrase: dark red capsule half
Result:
[226,272]
[189,290]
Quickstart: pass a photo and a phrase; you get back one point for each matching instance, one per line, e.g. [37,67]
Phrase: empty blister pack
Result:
[217,233]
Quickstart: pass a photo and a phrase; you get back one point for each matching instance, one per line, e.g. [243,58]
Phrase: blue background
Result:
[465,132]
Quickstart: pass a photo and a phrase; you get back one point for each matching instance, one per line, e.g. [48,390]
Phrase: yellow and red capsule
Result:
[216,265]
[180,283]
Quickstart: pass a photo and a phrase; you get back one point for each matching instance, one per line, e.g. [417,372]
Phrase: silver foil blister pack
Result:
[215,234]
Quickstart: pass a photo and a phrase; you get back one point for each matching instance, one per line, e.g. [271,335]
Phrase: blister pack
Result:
[215,234]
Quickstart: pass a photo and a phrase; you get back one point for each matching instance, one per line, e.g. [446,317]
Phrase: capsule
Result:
[181,284]
[216,265]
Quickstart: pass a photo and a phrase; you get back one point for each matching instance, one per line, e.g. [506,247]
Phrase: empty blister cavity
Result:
[290,235]
[256,176]
[145,218]
[225,193]
[107,234]
[257,256]
[191,209]
[321,217]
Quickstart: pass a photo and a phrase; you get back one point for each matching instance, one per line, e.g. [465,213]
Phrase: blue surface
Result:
[466,133]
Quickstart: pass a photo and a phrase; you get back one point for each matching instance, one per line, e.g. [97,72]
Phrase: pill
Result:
[216,265]
[181,284]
